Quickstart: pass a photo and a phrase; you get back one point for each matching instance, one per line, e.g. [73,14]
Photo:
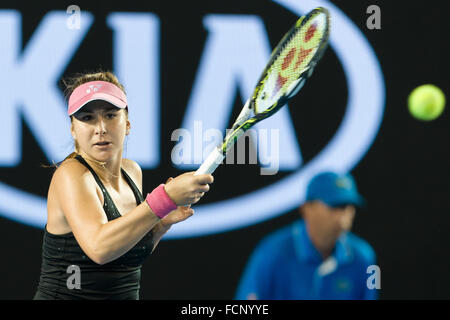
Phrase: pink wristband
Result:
[159,202]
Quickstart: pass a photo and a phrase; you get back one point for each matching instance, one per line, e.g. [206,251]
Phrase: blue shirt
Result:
[286,266]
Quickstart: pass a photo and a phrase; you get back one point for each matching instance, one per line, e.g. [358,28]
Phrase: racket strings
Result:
[291,60]
[298,51]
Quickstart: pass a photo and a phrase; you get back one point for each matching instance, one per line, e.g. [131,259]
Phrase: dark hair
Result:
[71,83]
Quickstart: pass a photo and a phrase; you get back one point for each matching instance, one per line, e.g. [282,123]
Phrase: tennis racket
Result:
[290,65]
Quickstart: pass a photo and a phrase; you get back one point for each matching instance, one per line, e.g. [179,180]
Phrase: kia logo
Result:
[353,138]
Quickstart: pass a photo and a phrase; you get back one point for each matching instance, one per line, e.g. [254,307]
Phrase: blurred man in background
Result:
[316,257]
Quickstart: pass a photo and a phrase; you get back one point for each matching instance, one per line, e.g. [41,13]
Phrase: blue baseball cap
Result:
[334,189]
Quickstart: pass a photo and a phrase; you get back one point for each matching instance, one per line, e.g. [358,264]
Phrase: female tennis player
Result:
[100,228]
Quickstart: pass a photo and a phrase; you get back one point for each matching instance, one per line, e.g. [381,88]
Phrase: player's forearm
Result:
[158,232]
[116,237]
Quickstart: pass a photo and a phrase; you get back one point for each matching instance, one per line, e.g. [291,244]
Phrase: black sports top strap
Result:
[108,206]
[137,193]
[99,182]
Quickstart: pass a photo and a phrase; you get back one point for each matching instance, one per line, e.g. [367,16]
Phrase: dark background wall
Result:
[404,176]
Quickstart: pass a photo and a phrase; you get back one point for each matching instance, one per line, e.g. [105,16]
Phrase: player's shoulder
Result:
[70,168]
[361,247]
[72,175]
[131,166]
[133,169]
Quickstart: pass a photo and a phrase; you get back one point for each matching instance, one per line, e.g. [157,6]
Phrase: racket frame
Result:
[249,116]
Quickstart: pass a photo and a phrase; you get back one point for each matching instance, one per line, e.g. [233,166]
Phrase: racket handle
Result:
[211,163]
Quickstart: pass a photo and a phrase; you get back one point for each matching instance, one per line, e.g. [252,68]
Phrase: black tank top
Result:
[118,279]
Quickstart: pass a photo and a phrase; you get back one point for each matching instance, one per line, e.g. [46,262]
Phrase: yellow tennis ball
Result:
[426,102]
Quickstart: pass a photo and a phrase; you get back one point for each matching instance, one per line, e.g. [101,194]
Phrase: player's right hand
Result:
[187,188]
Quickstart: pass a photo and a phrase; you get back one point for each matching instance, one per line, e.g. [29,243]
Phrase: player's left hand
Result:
[177,215]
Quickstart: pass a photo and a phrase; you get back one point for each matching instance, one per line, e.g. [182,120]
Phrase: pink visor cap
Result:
[96,90]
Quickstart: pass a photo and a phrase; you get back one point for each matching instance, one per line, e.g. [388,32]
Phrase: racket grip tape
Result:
[211,163]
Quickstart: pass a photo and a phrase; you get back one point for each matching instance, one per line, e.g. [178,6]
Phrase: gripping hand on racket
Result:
[187,188]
